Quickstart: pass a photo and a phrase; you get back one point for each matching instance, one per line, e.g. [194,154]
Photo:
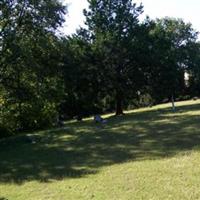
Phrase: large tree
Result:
[113,29]
[81,78]
[28,60]
[172,42]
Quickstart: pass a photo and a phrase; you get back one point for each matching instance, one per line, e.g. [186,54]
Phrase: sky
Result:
[188,10]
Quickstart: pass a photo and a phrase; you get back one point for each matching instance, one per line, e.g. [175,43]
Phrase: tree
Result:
[193,69]
[112,28]
[172,41]
[81,77]
[28,72]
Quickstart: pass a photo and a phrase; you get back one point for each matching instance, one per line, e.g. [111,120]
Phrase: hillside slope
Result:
[150,153]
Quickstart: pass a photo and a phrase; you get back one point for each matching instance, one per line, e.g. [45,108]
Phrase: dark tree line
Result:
[116,63]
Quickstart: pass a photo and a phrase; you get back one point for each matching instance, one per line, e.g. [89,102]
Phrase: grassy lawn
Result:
[150,153]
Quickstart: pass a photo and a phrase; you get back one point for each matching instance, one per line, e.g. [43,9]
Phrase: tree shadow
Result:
[82,148]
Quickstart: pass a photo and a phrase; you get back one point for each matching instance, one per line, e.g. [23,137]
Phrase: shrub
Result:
[4,132]
[34,115]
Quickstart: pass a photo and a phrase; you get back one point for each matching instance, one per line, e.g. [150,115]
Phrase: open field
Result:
[150,153]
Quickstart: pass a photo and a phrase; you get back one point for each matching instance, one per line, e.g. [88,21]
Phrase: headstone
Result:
[98,119]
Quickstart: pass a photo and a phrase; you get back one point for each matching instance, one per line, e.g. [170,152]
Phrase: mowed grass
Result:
[150,153]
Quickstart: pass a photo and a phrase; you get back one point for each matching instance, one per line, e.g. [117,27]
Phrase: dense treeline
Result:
[116,63]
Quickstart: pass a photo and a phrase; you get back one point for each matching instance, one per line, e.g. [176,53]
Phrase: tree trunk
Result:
[173,103]
[119,109]
[19,99]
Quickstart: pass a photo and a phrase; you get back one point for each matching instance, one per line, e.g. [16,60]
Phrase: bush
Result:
[4,132]
[40,115]
[143,100]
[33,116]
[146,100]
[184,98]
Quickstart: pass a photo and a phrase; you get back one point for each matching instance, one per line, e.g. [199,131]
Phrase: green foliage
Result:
[116,63]
[171,57]
[4,132]
[30,67]
[113,27]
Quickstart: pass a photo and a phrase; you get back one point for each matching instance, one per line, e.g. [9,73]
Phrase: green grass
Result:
[150,153]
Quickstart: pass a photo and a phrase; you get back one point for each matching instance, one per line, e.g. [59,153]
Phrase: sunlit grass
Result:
[149,153]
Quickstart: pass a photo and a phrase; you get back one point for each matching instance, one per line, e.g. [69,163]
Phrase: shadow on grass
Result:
[81,149]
